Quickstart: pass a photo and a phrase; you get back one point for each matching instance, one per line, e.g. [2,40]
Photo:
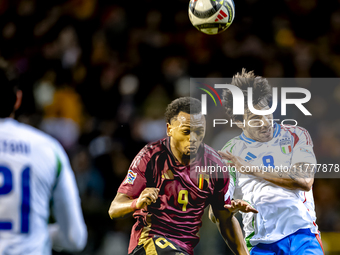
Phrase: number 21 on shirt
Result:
[5,189]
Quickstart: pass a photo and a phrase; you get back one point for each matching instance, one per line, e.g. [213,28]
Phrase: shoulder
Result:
[293,129]
[213,159]
[212,155]
[231,144]
[148,152]
[298,133]
[45,151]
[35,134]
[40,142]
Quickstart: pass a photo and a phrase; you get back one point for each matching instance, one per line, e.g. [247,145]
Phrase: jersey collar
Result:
[172,156]
[246,139]
[277,130]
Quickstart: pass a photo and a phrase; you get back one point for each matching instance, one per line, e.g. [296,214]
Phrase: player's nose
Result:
[193,137]
[266,122]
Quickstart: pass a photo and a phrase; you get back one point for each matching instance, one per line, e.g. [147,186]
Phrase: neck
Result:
[180,157]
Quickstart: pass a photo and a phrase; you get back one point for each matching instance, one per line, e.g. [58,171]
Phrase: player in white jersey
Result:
[275,174]
[34,172]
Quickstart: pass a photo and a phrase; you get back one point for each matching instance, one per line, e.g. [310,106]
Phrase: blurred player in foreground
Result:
[34,171]
[282,194]
[168,197]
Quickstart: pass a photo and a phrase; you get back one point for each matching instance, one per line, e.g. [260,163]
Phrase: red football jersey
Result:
[183,195]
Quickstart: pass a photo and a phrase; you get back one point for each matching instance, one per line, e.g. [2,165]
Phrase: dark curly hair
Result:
[183,104]
[261,92]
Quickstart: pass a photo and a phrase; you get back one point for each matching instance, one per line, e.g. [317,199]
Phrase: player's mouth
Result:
[266,132]
[192,148]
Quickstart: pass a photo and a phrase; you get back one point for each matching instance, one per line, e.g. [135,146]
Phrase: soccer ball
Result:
[211,16]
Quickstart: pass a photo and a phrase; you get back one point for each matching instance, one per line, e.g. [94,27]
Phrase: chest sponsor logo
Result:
[286,145]
[131,177]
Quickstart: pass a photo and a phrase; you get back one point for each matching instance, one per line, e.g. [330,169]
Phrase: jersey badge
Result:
[203,181]
[286,145]
[131,177]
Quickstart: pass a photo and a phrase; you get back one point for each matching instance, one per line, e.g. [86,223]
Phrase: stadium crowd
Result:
[97,76]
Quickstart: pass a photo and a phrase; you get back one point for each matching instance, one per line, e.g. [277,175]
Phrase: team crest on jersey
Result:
[131,177]
[286,145]
[203,181]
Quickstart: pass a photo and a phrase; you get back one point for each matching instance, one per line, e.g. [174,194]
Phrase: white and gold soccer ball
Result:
[211,16]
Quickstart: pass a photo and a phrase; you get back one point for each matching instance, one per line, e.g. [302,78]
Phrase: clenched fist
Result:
[148,196]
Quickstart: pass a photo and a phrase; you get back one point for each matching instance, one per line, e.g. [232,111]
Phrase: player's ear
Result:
[168,129]
[18,101]
[239,124]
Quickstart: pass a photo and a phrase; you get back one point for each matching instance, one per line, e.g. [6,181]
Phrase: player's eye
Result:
[199,132]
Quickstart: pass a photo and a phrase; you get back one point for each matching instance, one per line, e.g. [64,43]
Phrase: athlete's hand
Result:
[148,196]
[240,205]
[240,164]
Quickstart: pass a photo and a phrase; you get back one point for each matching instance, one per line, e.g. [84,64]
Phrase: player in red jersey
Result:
[168,196]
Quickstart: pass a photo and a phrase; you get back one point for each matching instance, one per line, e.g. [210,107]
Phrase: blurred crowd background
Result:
[97,75]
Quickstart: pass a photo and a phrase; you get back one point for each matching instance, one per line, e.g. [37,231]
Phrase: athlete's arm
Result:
[230,230]
[123,205]
[298,177]
[69,232]
[235,206]
[133,193]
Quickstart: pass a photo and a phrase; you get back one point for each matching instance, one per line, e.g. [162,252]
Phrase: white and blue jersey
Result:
[35,171]
[281,211]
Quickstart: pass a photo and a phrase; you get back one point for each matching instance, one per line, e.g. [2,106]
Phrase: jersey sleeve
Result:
[223,189]
[234,192]
[230,146]
[303,147]
[135,180]
[70,231]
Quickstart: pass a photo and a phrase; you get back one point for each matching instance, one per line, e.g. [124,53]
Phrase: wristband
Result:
[133,204]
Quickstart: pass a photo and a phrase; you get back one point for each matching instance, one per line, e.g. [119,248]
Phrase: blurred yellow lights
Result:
[285,37]
[330,241]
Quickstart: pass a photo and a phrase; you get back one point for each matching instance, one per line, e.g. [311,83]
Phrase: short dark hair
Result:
[261,92]
[183,104]
[7,95]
